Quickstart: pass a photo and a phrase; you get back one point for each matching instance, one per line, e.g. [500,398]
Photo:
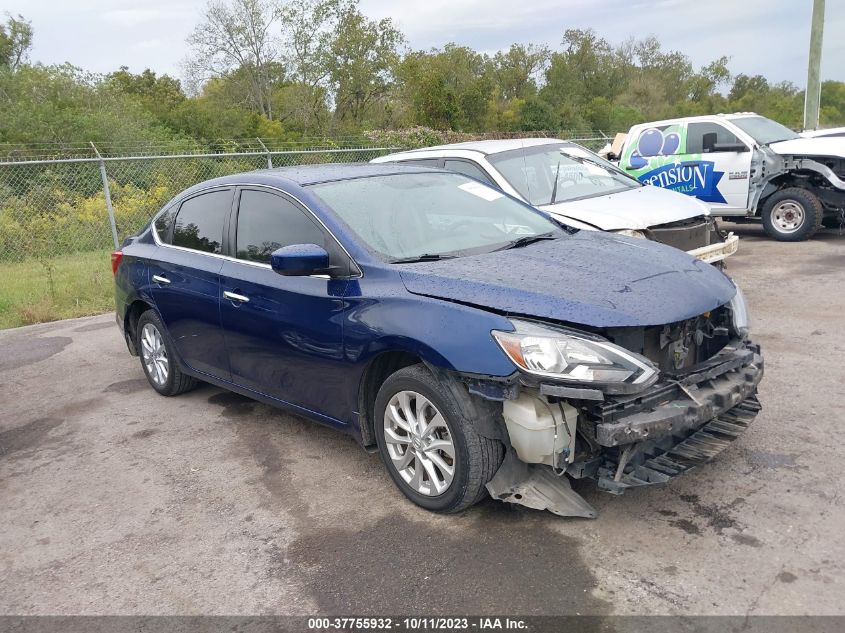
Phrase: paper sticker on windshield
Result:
[482,191]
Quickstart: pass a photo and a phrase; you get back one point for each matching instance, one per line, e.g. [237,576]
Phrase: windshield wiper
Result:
[554,189]
[425,257]
[528,239]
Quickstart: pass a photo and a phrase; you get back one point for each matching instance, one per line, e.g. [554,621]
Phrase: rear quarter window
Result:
[163,223]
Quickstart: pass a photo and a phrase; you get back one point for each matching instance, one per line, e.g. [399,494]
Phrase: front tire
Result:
[431,451]
[792,215]
[157,358]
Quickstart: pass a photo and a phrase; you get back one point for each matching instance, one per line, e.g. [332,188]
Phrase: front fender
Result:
[447,335]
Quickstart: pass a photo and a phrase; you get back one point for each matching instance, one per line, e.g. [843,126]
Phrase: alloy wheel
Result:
[419,443]
[154,354]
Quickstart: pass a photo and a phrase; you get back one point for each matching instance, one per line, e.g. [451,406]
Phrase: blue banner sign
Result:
[698,178]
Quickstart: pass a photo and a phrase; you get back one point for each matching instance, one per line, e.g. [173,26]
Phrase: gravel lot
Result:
[115,500]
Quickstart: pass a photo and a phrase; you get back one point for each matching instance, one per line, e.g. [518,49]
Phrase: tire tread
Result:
[812,206]
[483,455]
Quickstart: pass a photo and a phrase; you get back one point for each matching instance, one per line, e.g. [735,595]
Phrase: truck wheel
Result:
[433,455]
[792,215]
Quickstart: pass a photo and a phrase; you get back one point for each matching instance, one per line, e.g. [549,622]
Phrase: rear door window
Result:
[199,223]
[267,222]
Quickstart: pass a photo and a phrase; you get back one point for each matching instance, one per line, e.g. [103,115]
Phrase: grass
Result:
[82,284]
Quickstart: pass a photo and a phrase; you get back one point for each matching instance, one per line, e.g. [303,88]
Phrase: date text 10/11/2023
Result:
[415,624]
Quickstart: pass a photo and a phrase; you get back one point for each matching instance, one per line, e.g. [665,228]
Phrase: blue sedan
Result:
[480,346]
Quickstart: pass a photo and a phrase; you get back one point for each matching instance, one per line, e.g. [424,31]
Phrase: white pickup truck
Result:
[744,166]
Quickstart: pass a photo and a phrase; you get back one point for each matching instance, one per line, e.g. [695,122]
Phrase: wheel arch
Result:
[375,373]
[130,322]
[810,181]
[483,413]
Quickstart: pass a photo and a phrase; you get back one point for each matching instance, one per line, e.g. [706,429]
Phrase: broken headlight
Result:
[575,357]
[739,314]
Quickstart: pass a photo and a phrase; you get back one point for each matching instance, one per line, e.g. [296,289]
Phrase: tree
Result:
[308,30]
[15,41]
[448,88]
[704,83]
[588,67]
[161,96]
[536,115]
[833,103]
[65,104]
[518,68]
[744,85]
[237,36]
[364,56]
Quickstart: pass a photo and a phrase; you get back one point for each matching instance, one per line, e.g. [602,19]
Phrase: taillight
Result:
[115,261]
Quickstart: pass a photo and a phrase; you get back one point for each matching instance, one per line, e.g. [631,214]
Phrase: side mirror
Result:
[300,260]
[730,147]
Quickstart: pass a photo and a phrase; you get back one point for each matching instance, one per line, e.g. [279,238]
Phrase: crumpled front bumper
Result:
[680,423]
[673,407]
[646,438]
[717,252]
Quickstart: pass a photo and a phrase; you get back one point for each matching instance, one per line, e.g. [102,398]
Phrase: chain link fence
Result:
[63,208]
[56,207]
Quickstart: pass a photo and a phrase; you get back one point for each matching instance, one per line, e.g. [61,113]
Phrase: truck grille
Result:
[686,234]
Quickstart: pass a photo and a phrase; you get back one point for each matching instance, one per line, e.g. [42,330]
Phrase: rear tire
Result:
[158,359]
[413,393]
[792,215]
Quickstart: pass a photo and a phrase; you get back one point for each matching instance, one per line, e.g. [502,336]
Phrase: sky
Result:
[767,37]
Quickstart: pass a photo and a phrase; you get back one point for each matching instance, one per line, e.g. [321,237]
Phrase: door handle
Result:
[160,280]
[235,297]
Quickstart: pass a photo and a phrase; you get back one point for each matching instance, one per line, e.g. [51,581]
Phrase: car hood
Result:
[811,147]
[590,278]
[638,208]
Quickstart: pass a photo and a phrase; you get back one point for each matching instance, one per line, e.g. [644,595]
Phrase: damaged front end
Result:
[823,175]
[700,398]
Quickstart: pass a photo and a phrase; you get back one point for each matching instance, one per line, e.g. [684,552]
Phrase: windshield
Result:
[432,215]
[547,174]
[764,130]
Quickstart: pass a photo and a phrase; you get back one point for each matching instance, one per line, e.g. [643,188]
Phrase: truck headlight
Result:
[575,357]
[739,314]
[632,233]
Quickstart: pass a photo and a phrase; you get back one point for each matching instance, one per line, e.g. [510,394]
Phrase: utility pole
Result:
[812,96]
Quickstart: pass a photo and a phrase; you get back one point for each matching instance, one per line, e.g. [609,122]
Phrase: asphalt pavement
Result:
[116,500]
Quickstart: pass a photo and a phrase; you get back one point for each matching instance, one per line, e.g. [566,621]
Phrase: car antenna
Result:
[554,187]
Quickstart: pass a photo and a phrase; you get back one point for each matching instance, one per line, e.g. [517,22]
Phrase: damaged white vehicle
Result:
[581,189]
[746,167]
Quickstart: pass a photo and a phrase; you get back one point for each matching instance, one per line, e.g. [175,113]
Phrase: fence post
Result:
[269,156]
[108,195]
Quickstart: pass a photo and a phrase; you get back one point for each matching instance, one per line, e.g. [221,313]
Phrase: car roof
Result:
[702,118]
[304,175]
[489,146]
